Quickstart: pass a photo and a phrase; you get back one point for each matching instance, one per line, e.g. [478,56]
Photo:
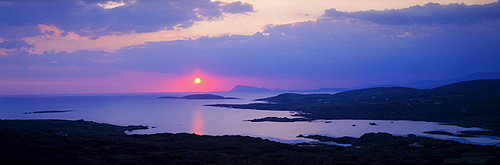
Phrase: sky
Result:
[128,46]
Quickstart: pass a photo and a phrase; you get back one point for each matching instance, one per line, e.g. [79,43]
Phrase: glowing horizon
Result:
[119,47]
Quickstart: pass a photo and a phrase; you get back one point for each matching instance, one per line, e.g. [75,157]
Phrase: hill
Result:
[329,90]
[425,84]
[470,103]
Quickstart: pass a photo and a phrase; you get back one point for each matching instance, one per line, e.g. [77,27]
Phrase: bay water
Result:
[190,116]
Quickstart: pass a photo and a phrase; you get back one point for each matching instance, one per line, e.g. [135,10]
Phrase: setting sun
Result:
[197,80]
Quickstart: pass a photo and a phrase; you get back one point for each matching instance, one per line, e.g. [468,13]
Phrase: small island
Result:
[279,119]
[198,96]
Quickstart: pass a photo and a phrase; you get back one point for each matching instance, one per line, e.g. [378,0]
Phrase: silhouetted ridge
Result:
[475,88]
[295,98]
[354,95]
[329,89]
[427,84]
[381,91]
[471,104]
[482,75]
[485,88]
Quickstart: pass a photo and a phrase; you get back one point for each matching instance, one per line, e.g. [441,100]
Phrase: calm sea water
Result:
[179,115]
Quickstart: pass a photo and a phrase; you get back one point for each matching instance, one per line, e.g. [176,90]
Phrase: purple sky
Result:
[94,46]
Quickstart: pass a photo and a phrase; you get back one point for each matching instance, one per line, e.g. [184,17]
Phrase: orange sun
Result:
[197,80]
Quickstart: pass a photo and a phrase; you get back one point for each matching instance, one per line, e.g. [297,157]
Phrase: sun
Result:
[197,80]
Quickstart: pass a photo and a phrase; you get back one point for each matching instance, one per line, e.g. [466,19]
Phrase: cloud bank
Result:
[420,42]
[430,13]
[102,17]
[15,44]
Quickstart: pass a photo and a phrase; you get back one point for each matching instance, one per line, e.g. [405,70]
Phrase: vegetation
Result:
[84,142]
[469,104]
[447,151]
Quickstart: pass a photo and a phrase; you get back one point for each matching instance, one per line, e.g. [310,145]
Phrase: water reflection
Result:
[198,121]
[190,116]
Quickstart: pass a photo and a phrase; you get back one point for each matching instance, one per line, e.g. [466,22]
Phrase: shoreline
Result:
[87,142]
[465,135]
[466,104]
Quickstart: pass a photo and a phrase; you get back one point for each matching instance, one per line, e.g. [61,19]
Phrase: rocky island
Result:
[279,119]
[198,96]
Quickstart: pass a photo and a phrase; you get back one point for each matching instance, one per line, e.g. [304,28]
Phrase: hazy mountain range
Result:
[423,84]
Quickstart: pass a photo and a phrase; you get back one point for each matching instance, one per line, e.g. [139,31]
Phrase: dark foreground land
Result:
[84,142]
[469,104]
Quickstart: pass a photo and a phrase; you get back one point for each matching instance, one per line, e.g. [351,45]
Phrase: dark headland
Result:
[198,96]
[84,142]
[469,104]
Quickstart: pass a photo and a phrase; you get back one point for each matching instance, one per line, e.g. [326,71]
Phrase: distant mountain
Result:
[482,75]
[242,88]
[374,86]
[485,89]
[198,96]
[329,90]
[426,84]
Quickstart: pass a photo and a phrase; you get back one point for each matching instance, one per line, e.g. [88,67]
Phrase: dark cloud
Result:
[324,50]
[17,32]
[21,63]
[334,49]
[430,13]
[89,18]
[52,58]
[15,44]
[237,7]
[329,50]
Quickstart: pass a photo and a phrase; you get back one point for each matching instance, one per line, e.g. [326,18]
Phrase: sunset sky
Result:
[125,46]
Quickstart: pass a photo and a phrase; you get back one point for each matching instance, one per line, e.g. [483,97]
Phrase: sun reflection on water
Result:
[198,121]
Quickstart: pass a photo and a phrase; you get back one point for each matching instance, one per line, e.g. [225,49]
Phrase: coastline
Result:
[465,104]
[86,142]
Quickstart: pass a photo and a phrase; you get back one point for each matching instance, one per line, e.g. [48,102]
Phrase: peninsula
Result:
[469,104]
